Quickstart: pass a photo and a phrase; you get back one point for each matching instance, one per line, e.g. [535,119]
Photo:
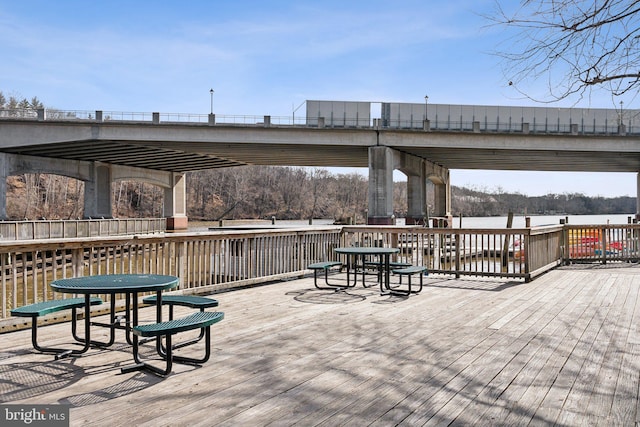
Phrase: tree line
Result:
[14,102]
[291,193]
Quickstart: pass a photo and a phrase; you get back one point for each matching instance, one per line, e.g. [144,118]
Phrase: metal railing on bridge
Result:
[444,118]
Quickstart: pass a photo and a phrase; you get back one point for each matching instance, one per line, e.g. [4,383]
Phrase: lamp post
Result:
[426,107]
[211,92]
[621,118]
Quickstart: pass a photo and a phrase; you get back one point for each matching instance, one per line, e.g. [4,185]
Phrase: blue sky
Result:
[268,57]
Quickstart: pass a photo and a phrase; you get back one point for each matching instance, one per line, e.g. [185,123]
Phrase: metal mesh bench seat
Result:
[198,320]
[408,271]
[392,264]
[372,265]
[47,307]
[191,301]
[326,266]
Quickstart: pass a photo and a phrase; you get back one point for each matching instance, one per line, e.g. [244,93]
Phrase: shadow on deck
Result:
[562,349]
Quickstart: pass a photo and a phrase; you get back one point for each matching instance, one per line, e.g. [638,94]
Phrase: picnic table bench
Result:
[407,271]
[325,266]
[191,301]
[198,320]
[39,309]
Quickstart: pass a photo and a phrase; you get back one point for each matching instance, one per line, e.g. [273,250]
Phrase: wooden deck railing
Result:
[204,261]
[216,260]
[601,243]
[52,229]
[474,252]
[510,253]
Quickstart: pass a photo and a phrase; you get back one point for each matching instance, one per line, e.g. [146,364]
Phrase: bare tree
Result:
[575,45]
[318,179]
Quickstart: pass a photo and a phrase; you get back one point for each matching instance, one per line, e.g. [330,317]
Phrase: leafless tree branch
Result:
[576,45]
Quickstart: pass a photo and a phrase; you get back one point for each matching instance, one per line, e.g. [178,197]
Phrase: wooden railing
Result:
[204,262]
[211,261]
[52,229]
[601,243]
[507,253]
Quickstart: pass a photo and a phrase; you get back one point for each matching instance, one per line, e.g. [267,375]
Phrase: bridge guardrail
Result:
[436,123]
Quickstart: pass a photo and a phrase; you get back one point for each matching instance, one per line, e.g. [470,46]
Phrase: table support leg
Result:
[349,284]
[113,322]
[87,332]
[385,285]
[134,338]
[139,364]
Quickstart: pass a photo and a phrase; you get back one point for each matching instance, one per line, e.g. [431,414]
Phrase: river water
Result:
[538,220]
[467,222]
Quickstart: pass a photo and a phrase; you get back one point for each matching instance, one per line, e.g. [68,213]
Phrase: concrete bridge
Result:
[423,141]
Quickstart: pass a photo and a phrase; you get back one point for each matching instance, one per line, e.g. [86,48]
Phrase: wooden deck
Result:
[563,349]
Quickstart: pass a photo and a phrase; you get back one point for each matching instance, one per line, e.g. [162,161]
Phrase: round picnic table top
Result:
[115,283]
[366,250]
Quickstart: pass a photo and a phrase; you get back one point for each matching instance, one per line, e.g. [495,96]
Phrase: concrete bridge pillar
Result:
[416,199]
[97,192]
[443,197]
[381,165]
[382,162]
[4,173]
[414,168]
[440,178]
[638,196]
[175,203]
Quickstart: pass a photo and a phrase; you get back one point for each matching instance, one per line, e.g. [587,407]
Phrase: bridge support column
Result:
[4,173]
[638,196]
[382,162]
[381,165]
[416,199]
[418,171]
[443,197]
[440,178]
[442,193]
[175,203]
[97,192]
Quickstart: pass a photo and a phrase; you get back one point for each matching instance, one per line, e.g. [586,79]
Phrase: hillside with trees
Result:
[263,192]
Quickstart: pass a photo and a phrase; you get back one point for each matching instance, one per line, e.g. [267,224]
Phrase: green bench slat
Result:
[326,267]
[46,307]
[392,264]
[198,320]
[183,300]
[410,270]
[323,265]
[396,264]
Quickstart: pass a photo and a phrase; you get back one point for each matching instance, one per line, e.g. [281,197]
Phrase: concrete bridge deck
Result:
[562,349]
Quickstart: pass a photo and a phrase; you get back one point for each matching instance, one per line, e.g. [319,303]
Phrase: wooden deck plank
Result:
[611,372]
[533,382]
[554,389]
[565,382]
[507,362]
[463,352]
